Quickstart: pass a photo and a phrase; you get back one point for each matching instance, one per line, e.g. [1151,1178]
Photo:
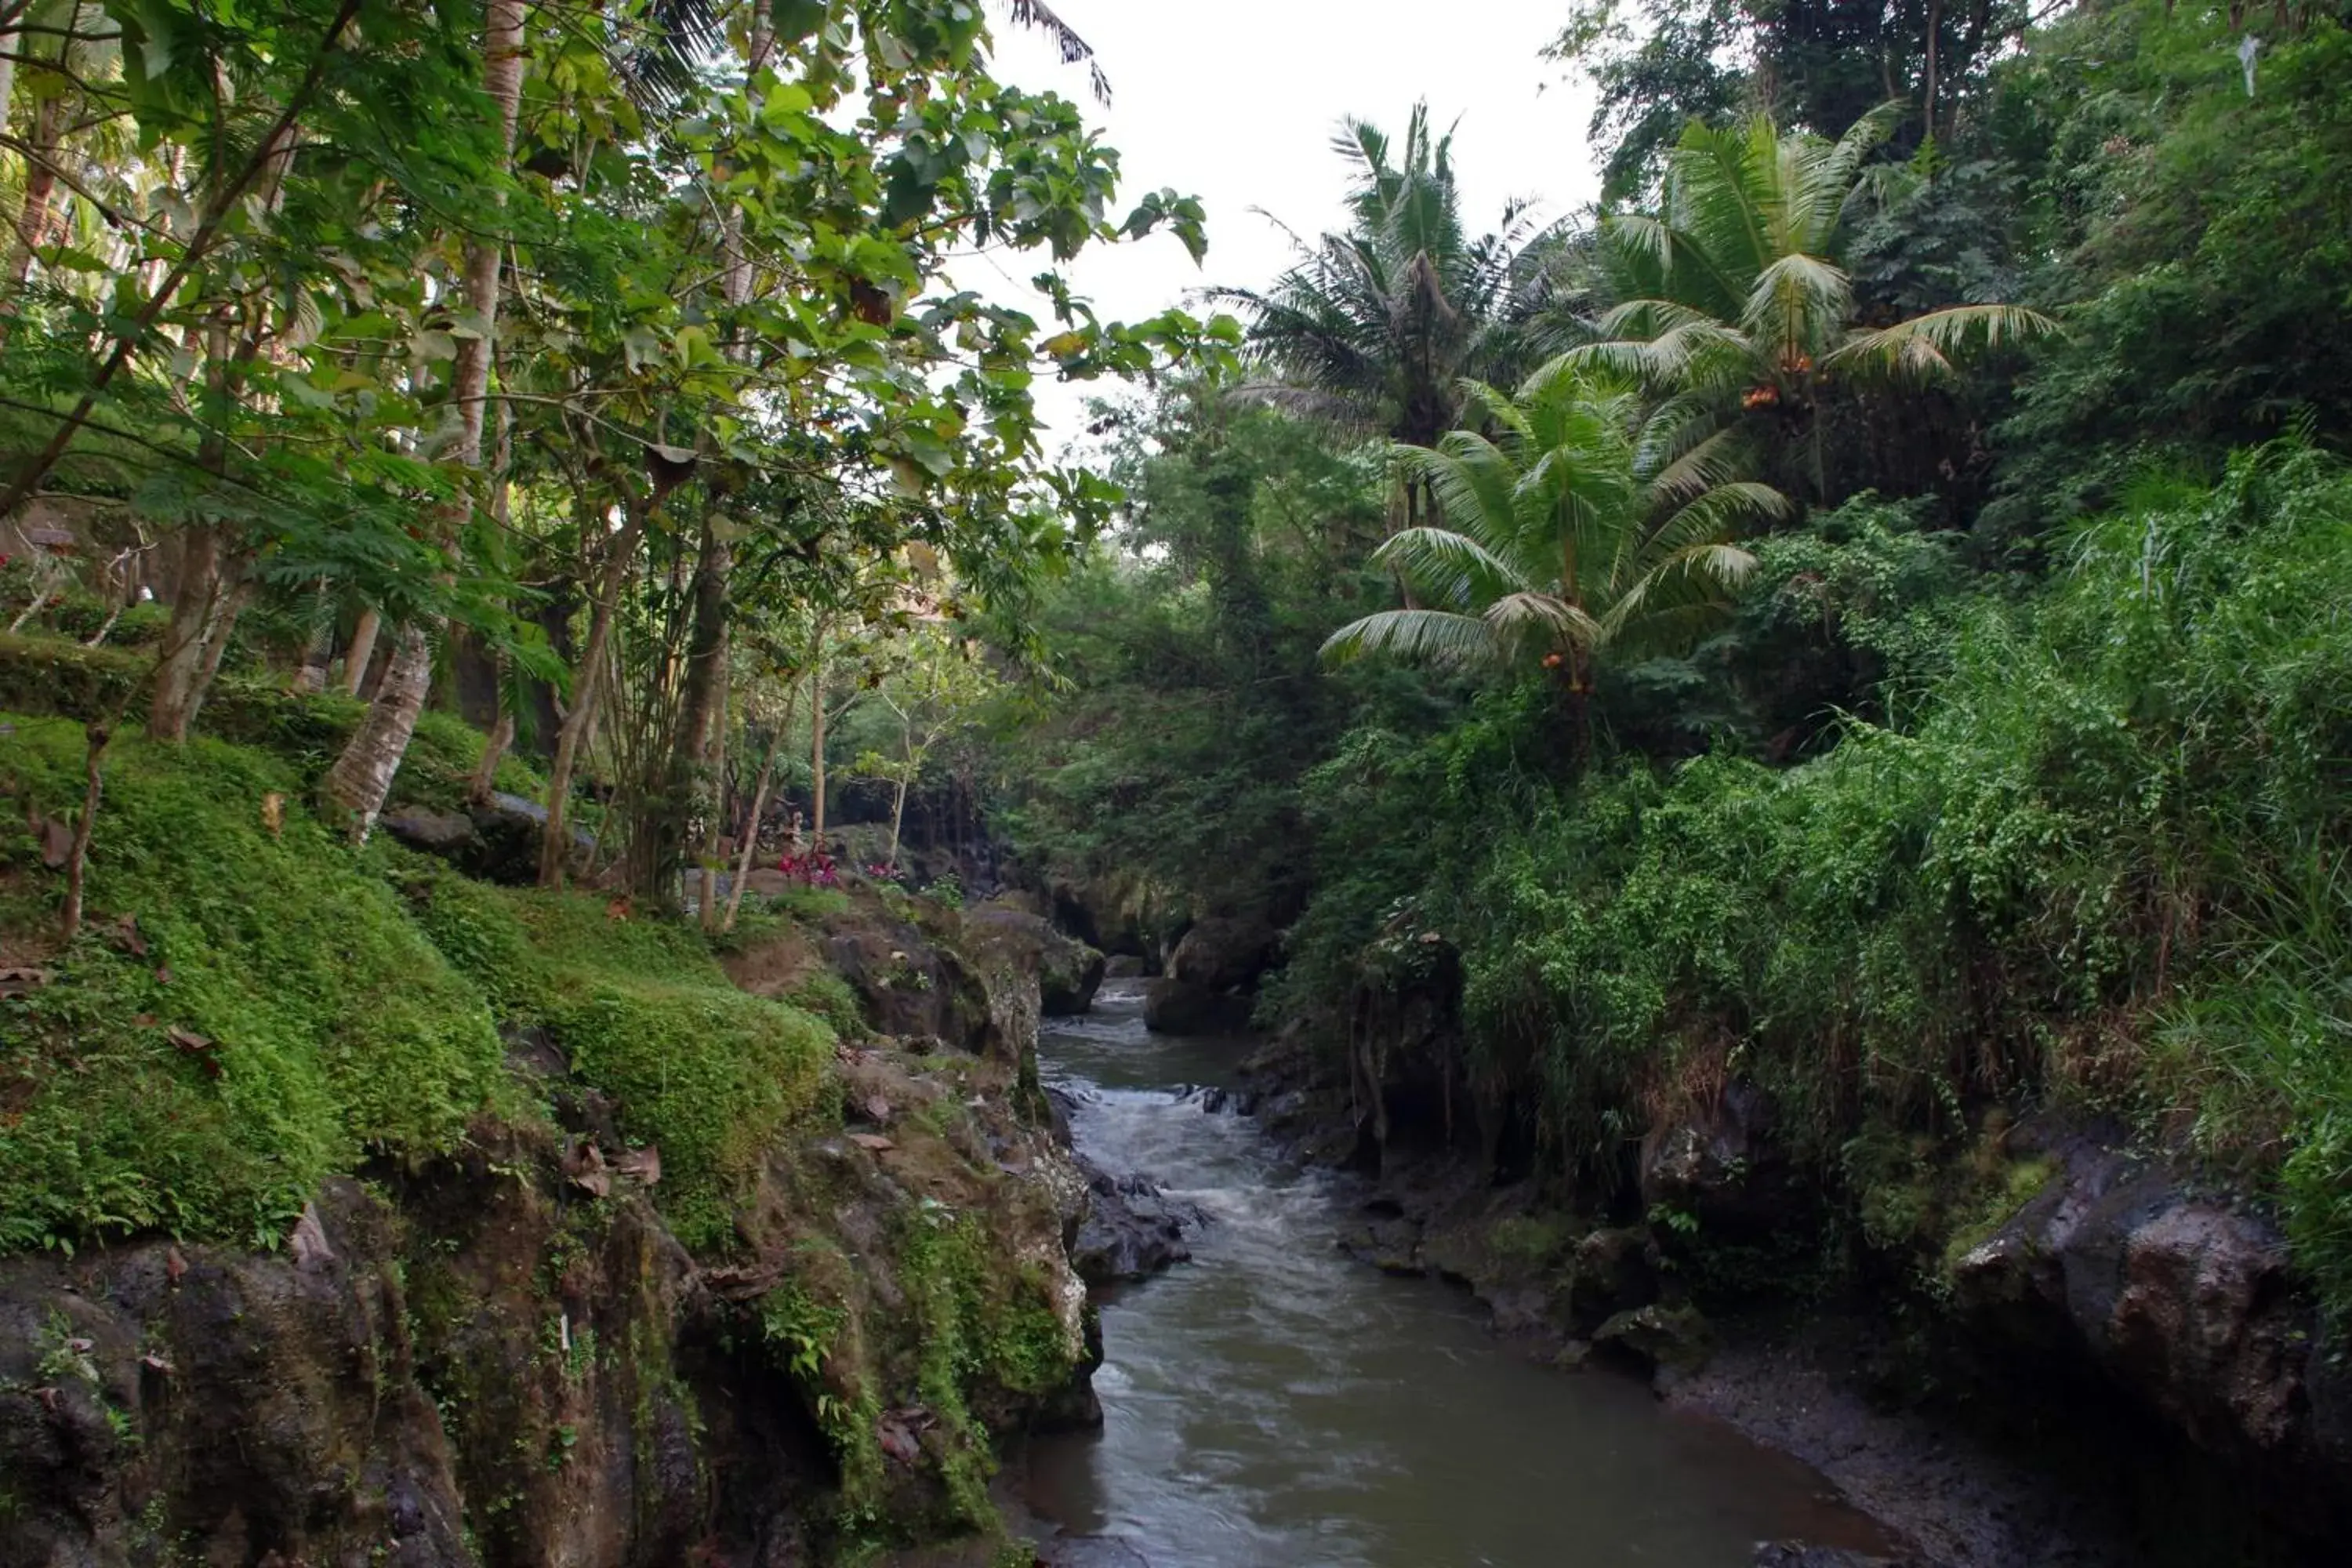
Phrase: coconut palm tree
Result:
[1586,521]
[1373,328]
[1732,290]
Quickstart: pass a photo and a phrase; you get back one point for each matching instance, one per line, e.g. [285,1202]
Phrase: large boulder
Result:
[1131,1229]
[1069,973]
[1224,954]
[495,840]
[1175,1008]
[2186,1301]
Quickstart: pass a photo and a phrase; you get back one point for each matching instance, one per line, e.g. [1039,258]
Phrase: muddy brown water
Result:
[1272,1402]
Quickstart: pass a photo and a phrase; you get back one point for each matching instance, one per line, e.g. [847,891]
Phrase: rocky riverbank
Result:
[2102,1360]
[802,1342]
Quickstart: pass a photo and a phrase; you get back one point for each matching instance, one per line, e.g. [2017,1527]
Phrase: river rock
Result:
[1068,971]
[1720,1164]
[496,840]
[1123,966]
[1090,1552]
[1614,1270]
[1668,1338]
[2188,1304]
[1224,954]
[1132,1230]
[1173,1006]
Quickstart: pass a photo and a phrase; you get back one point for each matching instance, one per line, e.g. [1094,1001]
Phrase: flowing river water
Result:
[1274,1404]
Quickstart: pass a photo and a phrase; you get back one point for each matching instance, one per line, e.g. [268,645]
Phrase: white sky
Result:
[1235,101]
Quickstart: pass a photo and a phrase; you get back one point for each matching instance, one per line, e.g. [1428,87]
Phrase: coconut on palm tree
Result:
[1579,518]
[1732,290]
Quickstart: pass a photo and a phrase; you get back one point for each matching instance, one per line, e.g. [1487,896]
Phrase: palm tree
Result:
[1732,290]
[1588,520]
[1373,328]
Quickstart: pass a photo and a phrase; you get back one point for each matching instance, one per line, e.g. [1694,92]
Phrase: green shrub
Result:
[2102,861]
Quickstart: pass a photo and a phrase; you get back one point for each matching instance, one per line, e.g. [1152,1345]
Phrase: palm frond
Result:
[1074,49]
[1924,344]
[1437,637]
[1447,567]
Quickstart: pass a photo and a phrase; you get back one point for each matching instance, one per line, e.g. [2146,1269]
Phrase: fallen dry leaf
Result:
[273,812]
[873,1141]
[126,931]
[308,1242]
[645,1164]
[190,1043]
[57,842]
[174,1266]
[585,1163]
[897,1440]
[22,981]
[155,1363]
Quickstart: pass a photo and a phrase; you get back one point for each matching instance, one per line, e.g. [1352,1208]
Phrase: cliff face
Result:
[506,1356]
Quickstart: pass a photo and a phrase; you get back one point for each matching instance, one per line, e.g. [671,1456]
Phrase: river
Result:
[1274,1404]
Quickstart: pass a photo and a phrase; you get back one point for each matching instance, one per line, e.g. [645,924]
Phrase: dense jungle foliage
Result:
[1858,610]
[1878,630]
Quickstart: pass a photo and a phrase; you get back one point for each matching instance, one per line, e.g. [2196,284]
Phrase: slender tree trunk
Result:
[686,777]
[714,821]
[356,663]
[33,219]
[174,705]
[897,820]
[375,748]
[234,597]
[1928,84]
[555,849]
[95,737]
[750,846]
[361,777]
[816,749]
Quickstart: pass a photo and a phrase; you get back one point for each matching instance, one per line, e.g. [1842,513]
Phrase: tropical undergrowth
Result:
[2093,852]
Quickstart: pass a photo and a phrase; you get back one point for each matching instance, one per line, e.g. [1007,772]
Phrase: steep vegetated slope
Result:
[365,1212]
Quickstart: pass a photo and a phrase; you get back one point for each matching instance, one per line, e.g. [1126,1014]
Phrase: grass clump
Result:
[284,1017]
[642,1011]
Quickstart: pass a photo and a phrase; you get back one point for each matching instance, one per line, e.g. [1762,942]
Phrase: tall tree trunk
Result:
[361,777]
[33,218]
[898,818]
[494,751]
[1927,84]
[356,663]
[715,818]
[816,748]
[683,781]
[383,734]
[555,849]
[173,707]
[750,846]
